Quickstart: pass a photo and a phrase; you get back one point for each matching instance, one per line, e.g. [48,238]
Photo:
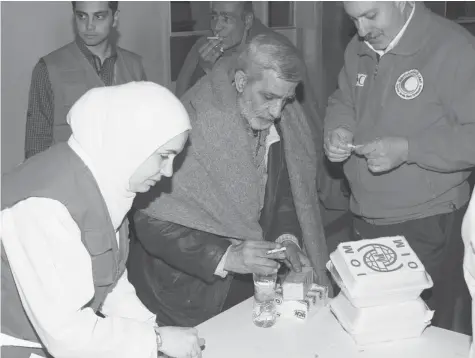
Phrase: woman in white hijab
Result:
[65,290]
[468,234]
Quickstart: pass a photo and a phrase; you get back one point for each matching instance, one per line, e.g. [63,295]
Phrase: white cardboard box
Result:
[297,284]
[382,323]
[301,310]
[378,271]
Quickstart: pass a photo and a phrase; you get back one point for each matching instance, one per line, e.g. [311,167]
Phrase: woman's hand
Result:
[180,342]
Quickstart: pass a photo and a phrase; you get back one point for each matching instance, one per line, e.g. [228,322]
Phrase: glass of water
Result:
[264,312]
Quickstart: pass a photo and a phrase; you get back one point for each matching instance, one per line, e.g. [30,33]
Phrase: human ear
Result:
[248,21]
[240,80]
[116,19]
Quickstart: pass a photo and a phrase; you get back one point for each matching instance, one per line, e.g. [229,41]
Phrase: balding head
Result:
[231,21]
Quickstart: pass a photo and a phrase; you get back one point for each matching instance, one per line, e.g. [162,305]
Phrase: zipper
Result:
[376,69]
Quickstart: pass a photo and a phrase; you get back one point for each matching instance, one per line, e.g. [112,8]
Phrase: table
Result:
[233,335]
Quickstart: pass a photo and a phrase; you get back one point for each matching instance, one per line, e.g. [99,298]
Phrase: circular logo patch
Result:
[409,85]
[380,258]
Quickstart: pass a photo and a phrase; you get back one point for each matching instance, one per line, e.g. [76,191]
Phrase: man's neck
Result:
[406,13]
[239,46]
[102,50]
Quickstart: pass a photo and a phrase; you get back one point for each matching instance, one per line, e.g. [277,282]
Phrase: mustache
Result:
[369,36]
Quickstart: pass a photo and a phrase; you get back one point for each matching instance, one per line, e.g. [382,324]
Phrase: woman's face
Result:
[159,164]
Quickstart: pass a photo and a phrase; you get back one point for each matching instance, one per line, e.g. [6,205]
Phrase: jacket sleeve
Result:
[286,221]
[192,251]
[341,108]
[40,114]
[449,145]
[123,302]
[186,71]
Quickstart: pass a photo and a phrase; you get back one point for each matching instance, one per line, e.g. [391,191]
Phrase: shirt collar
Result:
[398,37]
[88,54]
[414,36]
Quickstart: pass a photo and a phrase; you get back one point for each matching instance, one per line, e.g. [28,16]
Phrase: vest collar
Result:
[89,55]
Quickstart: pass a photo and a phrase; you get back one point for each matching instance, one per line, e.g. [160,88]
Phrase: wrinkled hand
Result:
[180,342]
[295,258]
[336,144]
[209,53]
[251,257]
[385,154]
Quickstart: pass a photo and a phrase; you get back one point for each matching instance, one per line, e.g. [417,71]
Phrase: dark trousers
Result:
[437,242]
[242,287]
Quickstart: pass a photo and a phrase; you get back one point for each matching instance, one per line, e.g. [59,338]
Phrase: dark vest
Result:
[71,75]
[59,174]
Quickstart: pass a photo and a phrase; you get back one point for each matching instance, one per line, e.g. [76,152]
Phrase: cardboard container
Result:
[378,271]
[301,310]
[297,284]
[378,324]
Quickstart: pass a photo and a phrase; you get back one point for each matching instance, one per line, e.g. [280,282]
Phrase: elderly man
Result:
[403,123]
[246,185]
[64,75]
[233,25]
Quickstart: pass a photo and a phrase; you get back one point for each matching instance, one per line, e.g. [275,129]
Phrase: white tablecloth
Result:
[233,335]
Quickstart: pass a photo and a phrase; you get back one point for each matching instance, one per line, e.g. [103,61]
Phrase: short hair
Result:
[247,7]
[113,5]
[271,52]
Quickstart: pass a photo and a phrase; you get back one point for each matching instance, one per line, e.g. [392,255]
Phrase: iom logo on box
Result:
[380,256]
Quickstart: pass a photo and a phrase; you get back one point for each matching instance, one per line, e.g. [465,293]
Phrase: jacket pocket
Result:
[103,258]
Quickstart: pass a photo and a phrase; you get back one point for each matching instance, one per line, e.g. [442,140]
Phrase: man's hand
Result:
[385,154]
[295,258]
[251,257]
[337,143]
[209,53]
[180,342]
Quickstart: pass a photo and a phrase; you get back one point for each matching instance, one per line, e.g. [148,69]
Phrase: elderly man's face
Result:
[378,22]
[227,22]
[261,101]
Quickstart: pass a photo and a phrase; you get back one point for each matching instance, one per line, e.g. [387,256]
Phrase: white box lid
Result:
[378,267]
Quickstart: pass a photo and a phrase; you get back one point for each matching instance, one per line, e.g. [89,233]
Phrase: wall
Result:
[30,30]
[337,31]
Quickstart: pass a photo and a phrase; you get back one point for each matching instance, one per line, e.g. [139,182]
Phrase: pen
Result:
[276,250]
[213,38]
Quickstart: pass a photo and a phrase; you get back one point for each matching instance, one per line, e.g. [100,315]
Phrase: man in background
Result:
[64,75]
[233,24]
[403,124]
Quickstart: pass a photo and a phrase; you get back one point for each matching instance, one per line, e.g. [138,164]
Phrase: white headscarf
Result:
[115,129]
